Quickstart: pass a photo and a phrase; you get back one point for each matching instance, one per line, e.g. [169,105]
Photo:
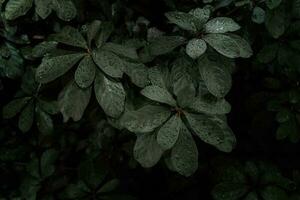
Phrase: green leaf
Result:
[65,9]
[121,50]
[210,105]
[221,25]
[110,186]
[44,122]
[157,77]
[168,134]
[85,73]
[47,163]
[164,44]
[43,48]
[146,150]
[268,53]
[184,155]
[229,45]
[50,107]
[93,172]
[273,3]
[251,196]
[14,107]
[43,8]
[201,16]
[229,191]
[183,20]
[26,117]
[17,8]
[73,101]
[93,30]
[158,94]
[138,74]
[212,131]
[186,94]
[195,48]
[110,95]
[274,193]
[105,32]
[145,119]
[258,15]
[276,21]
[70,36]
[52,68]
[216,78]
[109,63]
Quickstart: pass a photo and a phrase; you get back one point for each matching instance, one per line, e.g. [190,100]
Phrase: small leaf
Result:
[164,44]
[65,9]
[110,95]
[43,8]
[268,53]
[50,107]
[43,48]
[229,191]
[145,119]
[26,117]
[221,25]
[229,45]
[146,150]
[276,21]
[73,101]
[184,155]
[183,20]
[105,32]
[158,94]
[274,193]
[93,30]
[195,48]
[169,132]
[52,68]
[48,159]
[44,122]
[109,63]
[258,15]
[85,73]
[273,3]
[17,8]
[201,16]
[14,107]
[216,78]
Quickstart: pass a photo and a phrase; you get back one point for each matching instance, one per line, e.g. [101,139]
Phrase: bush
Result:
[174,99]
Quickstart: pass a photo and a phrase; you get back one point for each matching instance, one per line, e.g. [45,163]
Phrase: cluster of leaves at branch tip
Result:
[182,100]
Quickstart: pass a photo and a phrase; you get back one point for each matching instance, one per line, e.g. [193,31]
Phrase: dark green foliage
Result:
[140,99]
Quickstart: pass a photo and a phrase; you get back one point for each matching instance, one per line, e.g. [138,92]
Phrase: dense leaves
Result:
[170,99]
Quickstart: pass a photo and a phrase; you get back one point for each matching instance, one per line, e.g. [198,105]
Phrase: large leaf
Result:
[158,94]
[17,8]
[121,50]
[146,150]
[138,74]
[201,16]
[14,107]
[195,48]
[229,45]
[164,44]
[210,105]
[109,63]
[73,101]
[183,20]
[221,25]
[52,68]
[274,193]
[184,155]
[169,132]
[216,78]
[85,73]
[145,119]
[212,131]
[110,95]
[70,36]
